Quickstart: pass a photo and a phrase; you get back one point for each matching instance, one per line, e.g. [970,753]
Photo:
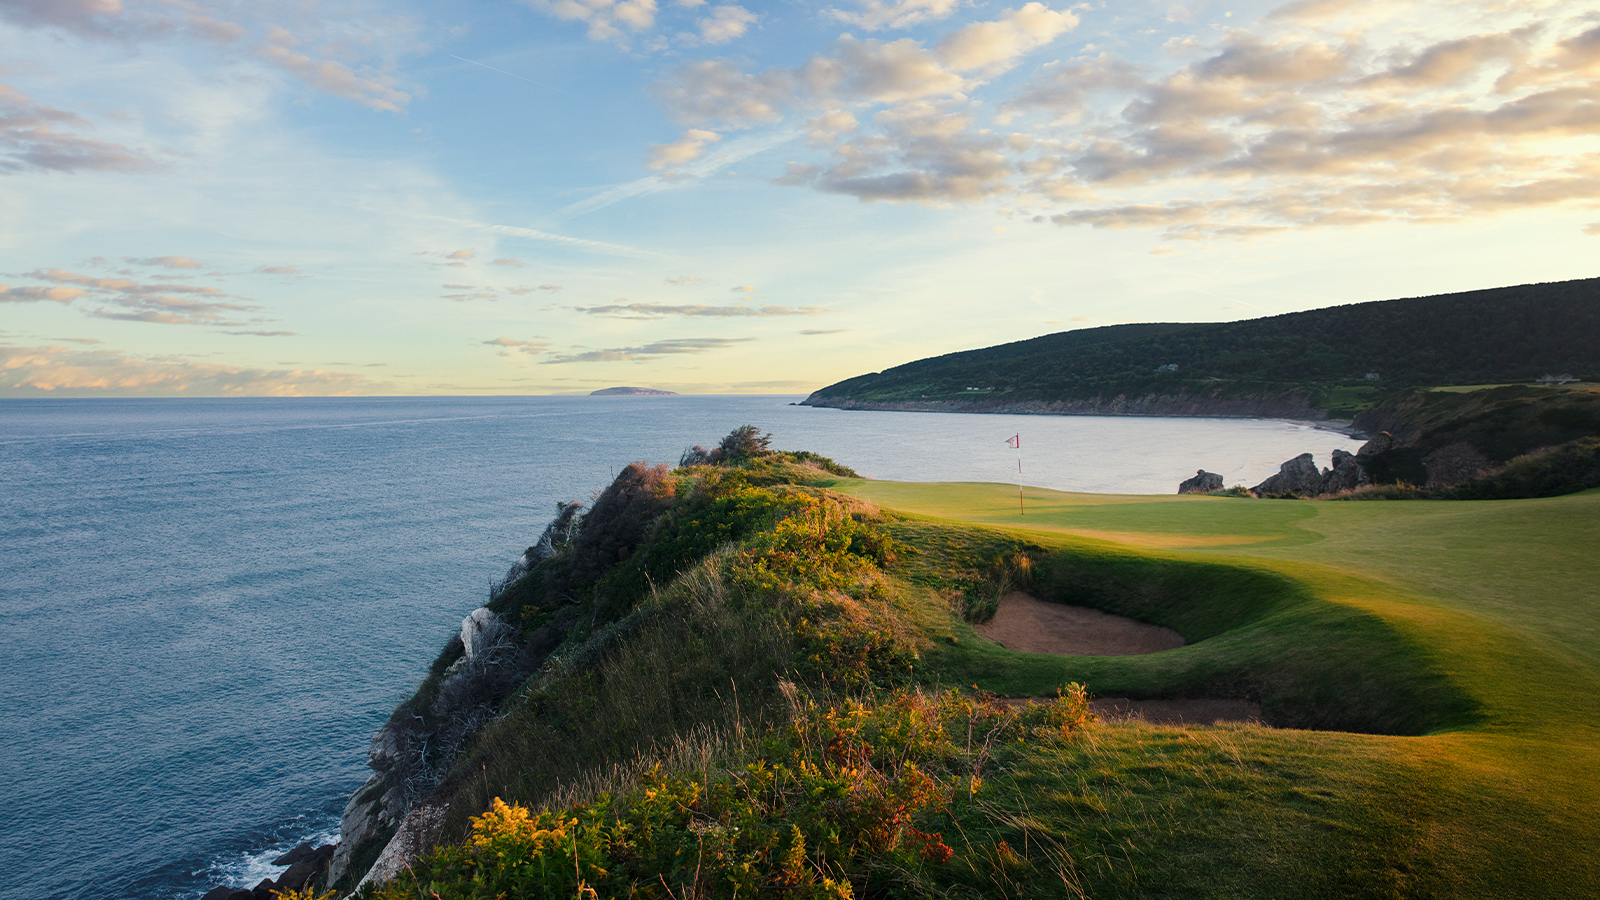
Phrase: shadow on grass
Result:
[1253,634]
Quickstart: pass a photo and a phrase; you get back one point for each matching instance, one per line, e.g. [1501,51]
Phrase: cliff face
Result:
[1286,405]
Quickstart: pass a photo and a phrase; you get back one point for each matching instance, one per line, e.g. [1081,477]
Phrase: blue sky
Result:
[283,197]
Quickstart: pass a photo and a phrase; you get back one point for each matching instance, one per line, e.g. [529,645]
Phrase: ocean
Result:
[207,607]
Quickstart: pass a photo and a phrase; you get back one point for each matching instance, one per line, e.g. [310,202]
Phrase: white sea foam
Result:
[247,868]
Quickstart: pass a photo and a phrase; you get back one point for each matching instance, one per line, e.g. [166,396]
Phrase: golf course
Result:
[1435,665]
[759,672]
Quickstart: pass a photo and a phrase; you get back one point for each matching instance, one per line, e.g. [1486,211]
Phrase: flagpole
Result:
[1016,441]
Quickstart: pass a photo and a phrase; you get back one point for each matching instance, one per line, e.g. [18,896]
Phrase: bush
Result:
[849,798]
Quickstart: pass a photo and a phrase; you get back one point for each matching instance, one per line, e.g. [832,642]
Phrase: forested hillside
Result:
[1333,359]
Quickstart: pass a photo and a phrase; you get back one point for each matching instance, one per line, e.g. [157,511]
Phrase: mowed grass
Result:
[1465,633]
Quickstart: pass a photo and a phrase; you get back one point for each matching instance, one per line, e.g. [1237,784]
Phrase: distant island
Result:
[631,392]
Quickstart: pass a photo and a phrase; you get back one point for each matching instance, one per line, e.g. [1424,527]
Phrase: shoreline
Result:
[1345,427]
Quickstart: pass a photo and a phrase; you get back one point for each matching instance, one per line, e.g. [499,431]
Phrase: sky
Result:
[413,197]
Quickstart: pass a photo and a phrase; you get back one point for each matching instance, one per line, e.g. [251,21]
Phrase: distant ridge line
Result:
[631,392]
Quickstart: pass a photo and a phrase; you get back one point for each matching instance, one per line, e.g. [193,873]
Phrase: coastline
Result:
[1274,409]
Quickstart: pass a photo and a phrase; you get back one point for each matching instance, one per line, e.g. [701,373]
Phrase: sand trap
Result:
[1027,625]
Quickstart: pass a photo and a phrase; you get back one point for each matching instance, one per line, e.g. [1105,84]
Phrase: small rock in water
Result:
[304,851]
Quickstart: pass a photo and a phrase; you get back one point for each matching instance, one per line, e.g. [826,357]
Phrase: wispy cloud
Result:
[162,303]
[534,234]
[726,155]
[650,351]
[62,371]
[38,137]
[662,310]
[508,345]
[35,293]
[169,262]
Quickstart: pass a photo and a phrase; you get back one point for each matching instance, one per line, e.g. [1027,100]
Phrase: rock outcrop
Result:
[1203,482]
[376,807]
[306,863]
[1347,474]
[1299,476]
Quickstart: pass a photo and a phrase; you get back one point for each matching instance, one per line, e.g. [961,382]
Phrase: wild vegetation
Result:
[1324,356]
[760,675]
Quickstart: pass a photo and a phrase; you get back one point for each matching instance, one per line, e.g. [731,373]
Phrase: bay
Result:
[207,607]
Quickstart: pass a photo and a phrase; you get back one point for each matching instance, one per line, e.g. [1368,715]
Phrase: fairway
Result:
[1445,653]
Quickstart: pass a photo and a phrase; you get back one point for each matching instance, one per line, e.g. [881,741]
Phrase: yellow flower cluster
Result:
[503,827]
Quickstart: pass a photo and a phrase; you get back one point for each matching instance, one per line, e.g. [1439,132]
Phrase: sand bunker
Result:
[1027,625]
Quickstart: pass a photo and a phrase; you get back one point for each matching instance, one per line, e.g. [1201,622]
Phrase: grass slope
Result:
[766,683]
[1494,600]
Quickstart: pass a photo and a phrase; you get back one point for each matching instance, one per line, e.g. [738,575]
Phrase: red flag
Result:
[1014,442]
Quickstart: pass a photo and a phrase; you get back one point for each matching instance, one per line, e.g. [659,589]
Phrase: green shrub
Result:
[849,798]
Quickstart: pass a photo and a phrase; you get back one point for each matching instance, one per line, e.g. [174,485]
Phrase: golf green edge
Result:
[1429,666]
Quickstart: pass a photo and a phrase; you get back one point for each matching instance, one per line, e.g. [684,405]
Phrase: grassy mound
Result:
[735,678]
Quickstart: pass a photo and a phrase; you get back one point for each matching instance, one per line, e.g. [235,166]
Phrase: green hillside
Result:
[758,675]
[1502,335]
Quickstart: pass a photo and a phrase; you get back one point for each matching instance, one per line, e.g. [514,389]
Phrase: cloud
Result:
[725,155]
[66,372]
[1453,61]
[687,281]
[685,149]
[459,254]
[528,289]
[10,294]
[31,138]
[607,20]
[1275,127]
[859,70]
[745,289]
[510,261]
[170,262]
[84,17]
[995,46]
[532,348]
[564,240]
[876,15]
[659,310]
[650,351]
[264,333]
[279,270]
[368,87]
[160,303]
[812,331]
[725,23]
[923,155]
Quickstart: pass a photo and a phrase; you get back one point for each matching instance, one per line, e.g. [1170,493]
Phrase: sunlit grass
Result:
[1492,601]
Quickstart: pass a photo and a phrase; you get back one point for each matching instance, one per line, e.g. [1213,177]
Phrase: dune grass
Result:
[1464,630]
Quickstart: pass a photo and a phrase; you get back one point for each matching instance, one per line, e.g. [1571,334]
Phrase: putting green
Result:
[1500,598]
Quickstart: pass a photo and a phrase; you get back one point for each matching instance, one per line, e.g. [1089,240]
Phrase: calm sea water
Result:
[207,607]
